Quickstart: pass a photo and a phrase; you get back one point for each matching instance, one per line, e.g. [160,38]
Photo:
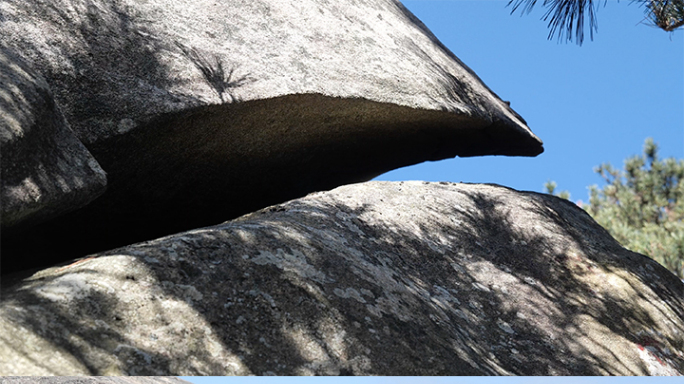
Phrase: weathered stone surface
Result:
[45,169]
[92,380]
[378,278]
[135,60]
[203,110]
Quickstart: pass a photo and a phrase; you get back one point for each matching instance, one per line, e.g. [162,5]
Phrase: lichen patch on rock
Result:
[526,284]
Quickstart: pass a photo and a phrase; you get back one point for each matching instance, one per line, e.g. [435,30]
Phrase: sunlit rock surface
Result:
[201,110]
[115,64]
[379,278]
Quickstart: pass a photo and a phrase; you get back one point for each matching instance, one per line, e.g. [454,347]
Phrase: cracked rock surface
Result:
[406,278]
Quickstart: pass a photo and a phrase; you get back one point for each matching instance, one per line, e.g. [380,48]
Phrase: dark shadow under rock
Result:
[215,163]
[313,94]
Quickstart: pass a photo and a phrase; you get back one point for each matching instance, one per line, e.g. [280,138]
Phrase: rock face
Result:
[92,380]
[377,278]
[200,111]
[116,64]
[46,170]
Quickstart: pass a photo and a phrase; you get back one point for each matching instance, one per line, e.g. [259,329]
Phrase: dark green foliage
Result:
[568,16]
[643,206]
[665,14]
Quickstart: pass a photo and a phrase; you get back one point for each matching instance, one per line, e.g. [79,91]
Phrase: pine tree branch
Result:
[667,15]
[673,26]
[566,17]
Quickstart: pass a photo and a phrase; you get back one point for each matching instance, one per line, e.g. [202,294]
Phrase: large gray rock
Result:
[92,380]
[116,64]
[46,170]
[201,111]
[378,278]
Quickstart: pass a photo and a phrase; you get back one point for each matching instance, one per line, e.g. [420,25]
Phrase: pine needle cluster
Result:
[642,206]
[567,17]
[667,15]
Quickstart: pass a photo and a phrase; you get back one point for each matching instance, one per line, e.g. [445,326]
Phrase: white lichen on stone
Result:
[295,262]
[349,293]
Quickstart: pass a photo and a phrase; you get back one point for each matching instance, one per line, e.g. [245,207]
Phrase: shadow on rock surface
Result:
[46,171]
[105,37]
[215,74]
[380,278]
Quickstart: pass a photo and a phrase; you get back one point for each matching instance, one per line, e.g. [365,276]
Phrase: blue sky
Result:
[590,104]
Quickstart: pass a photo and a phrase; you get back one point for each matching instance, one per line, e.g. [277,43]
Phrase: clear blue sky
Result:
[591,104]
